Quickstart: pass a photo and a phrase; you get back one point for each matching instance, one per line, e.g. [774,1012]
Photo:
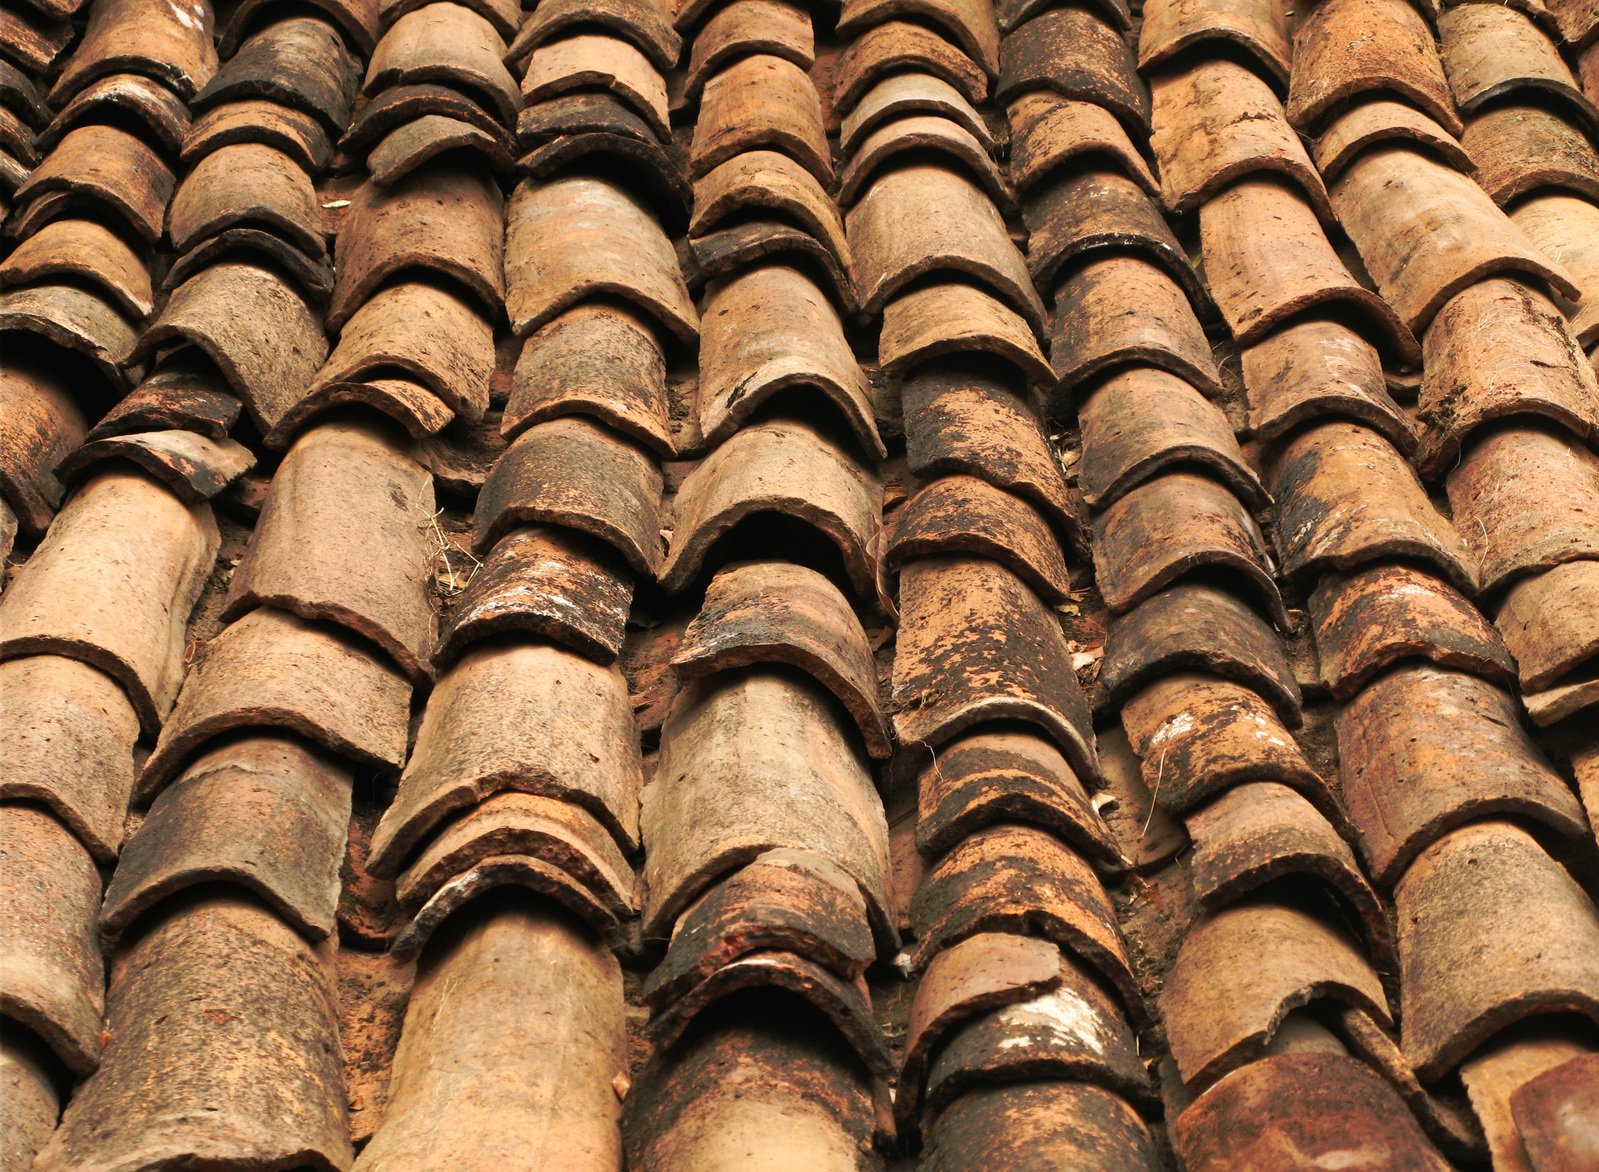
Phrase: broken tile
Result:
[449,45]
[756,761]
[1346,498]
[1426,232]
[1491,931]
[1317,370]
[113,583]
[472,1078]
[185,392]
[1384,121]
[1491,51]
[192,466]
[575,473]
[763,180]
[404,150]
[1525,499]
[934,320]
[1200,626]
[397,106]
[74,319]
[66,745]
[267,814]
[222,1046]
[313,275]
[761,101]
[1257,27]
[588,60]
[1547,621]
[1535,369]
[1048,132]
[779,613]
[580,237]
[1060,1124]
[1173,525]
[778,467]
[968,23]
[1367,621]
[532,696]
[1425,750]
[1197,736]
[87,251]
[1077,54]
[1565,229]
[172,43]
[444,221]
[54,979]
[770,331]
[895,47]
[1262,279]
[272,670]
[1350,48]
[300,136]
[341,539]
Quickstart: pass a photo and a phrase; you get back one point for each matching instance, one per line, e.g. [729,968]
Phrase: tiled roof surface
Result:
[908,585]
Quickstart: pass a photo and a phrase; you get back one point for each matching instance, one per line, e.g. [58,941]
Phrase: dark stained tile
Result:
[644,22]
[397,105]
[766,181]
[193,467]
[300,62]
[41,422]
[450,45]
[357,20]
[1060,1124]
[416,144]
[968,23]
[587,60]
[1048,132]
[1077,54]
[75,319]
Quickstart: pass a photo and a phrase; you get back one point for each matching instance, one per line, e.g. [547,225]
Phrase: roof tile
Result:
[300,62]
[1172,28]
[1349,48]
[170,42]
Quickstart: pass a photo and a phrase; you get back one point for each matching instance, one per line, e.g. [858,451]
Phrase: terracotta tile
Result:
[580,237]
[1425,750]
[113,583]
[357,20]
[761,181]
[1558,703]
[123,95]
[1258,27]
[1313,1105]
[793,900]
[900,94]
[1503,1066]
[247,184]
[1217,121]
[1564,229]
[719,772]
[1555,1112]
[968,23]
[170,43]
[1525,500]
[398,105]
[300,136]
[1547,621]
[300,62]
[425,332]
[54,977]
[1576,21]
[1491,51]
[756,102]
[524,692]
[961,421]
[193,467]
[984,971]
[19,92]
[503,16]
[975,644]
[644,22]
[102,165]
[768,332]
[223,1046]
[267,814]
[935,320]
[341,540]
[1048,132]
[510,825]
[1260,280]
[312,274]
[1468,383]
[1353,47]
[744,244]
[654,171]
[1077,54]
[1381,615]
[765,1081]
[780,613]
[1142,423]
[271,670]
[1239,973]
[897,47]
[254,325]
[473,1081]
[1491,931]
[1095,331]
[573,472]
[774,28]
[184,392]
[546,124]
[1316,370]
[1199,626]
[1384,121]
[1449,234]
[17,138]
[1061,1124]
[1256,834]
[75,319]
[404,150]
[594,60]
[1017,776]
[1346,498]
[1173,525]
[29,1101]
[964,514]
[447,45]
[778,467]
[1520,148]
[924,137]
[1197,736]
[67,745]
[40,423]
[1021,879]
